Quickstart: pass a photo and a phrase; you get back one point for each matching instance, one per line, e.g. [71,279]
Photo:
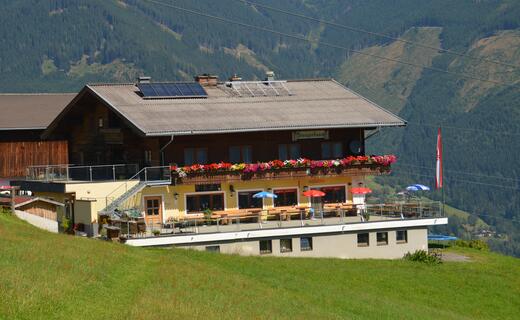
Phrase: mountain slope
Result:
[57,276]
[481,119]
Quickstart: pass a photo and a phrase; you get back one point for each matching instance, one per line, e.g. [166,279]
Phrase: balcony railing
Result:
[68,172]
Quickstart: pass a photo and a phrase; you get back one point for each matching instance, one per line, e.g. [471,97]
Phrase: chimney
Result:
[269,76]
[207,80]
[144,80]
[235,78]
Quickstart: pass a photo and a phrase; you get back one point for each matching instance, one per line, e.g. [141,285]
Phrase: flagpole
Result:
[442,172]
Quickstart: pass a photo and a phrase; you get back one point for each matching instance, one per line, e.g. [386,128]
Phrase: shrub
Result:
[156,232]
[207,215]
[422,256]
[65,224]
[475,244]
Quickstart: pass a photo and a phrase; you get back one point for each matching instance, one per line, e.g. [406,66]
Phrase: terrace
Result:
[299,220]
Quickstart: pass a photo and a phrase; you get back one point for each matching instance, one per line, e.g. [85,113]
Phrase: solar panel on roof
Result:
[147,90]
[172,90]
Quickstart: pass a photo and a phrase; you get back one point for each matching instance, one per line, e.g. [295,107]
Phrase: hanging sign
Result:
[310,134]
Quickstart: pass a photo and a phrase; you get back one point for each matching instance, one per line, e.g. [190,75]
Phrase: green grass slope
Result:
[48,276]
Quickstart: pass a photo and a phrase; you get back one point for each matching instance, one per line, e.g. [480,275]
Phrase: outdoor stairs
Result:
[111,208]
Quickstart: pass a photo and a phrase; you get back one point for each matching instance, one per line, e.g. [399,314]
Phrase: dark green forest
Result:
[59,45]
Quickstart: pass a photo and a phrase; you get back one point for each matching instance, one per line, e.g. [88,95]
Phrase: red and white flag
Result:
[438,174]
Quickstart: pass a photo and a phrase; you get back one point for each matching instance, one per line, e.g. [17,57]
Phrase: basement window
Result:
[285,245]
[306,244]
[401,236]
[213,249]
[362,240]
[382,238]
[266,246]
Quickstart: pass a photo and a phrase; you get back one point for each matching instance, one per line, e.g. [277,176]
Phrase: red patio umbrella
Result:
[314,193]
[360,190]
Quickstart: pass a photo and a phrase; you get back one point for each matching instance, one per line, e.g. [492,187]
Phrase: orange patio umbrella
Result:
[361,190]
[314,193]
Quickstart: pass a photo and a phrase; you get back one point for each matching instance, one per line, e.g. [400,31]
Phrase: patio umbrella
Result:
[417,187]
[314,193]
[361,190]
[265,194]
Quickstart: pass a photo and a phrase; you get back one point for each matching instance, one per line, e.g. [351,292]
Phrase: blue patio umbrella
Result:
[417,187]
[265,194]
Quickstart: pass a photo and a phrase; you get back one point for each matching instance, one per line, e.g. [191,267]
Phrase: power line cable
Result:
[461,128]
[457,172]
[459,75]
[404,173]
[378,34]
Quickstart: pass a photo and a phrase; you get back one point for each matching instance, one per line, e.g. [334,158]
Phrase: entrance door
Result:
[153,210]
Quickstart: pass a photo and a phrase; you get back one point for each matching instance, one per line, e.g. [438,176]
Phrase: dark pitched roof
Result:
[31,111]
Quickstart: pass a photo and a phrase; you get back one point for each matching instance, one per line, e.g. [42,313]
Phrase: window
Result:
[113,121]
[266,246]
[285,245]
[148,156]
[152,207]
[331,150]
[246,200]
[286,197]
[362,240]
[335,194]
[199,203]
[100,122]
[195,156]
[213,248]
[289,151]
[306,244]
[401,236]
[239,154]
[207,187]
[382,238]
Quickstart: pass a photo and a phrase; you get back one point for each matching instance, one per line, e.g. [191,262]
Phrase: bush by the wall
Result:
[422,256]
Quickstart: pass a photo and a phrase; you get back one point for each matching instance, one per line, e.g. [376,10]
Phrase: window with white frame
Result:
[200,202]
[286,197]
[247,201]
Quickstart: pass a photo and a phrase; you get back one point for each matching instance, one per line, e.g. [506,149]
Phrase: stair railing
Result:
[137,176]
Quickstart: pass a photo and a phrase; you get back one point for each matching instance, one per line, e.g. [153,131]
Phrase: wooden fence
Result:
[15,157]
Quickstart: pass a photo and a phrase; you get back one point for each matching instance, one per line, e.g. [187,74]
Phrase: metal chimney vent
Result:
[144,80]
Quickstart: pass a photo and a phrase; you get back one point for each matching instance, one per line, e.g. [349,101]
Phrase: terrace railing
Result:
[221,223]
[68,172]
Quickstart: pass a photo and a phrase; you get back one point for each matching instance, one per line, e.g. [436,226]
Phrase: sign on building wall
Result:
[310,134]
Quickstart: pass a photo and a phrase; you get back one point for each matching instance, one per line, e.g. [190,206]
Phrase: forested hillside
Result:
[58,45]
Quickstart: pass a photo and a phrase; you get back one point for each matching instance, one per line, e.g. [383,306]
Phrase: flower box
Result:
[224,171]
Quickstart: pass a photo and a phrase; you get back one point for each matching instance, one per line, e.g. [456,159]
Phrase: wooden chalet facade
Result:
[23,118]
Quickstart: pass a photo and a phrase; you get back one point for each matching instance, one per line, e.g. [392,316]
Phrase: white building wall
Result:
[342,246]
[42,223]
